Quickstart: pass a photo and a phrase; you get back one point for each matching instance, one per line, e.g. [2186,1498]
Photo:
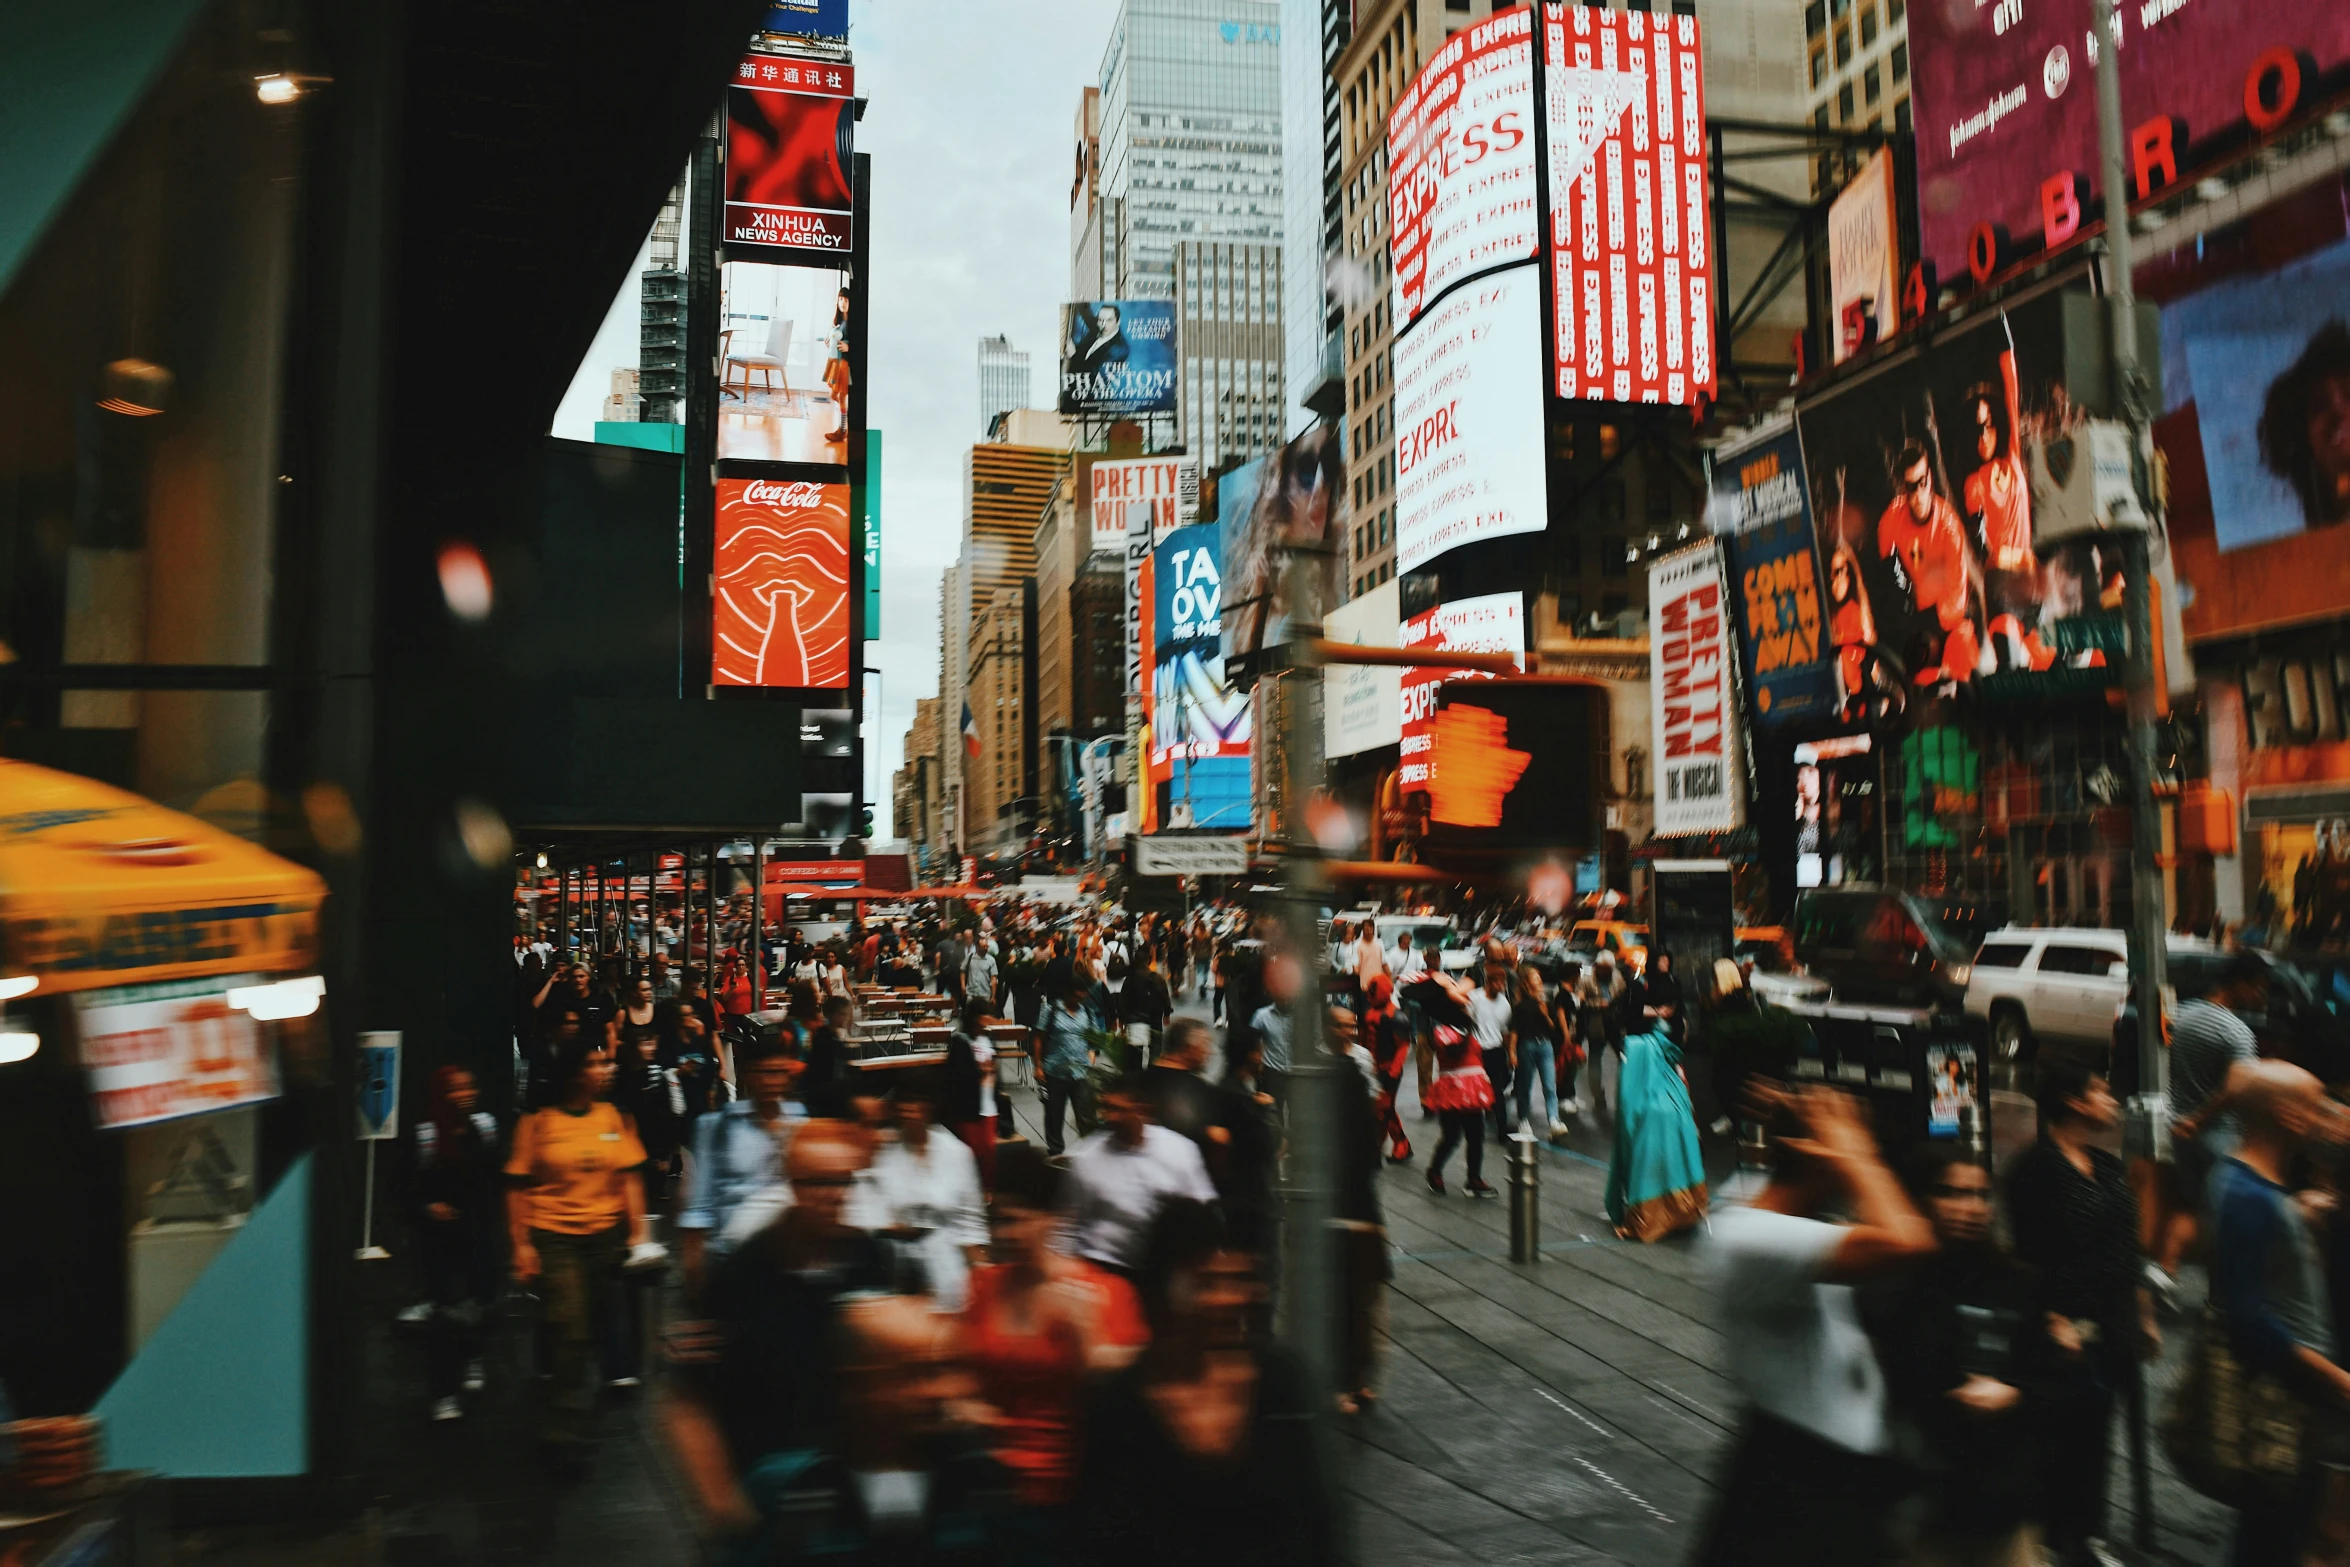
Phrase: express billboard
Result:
[1468,420]
[1488,623]
[1761,513]
[1195,714]
[1460,157]
[780,610]
[790,150]
[1631,256]
[1118,357]
[2005,104]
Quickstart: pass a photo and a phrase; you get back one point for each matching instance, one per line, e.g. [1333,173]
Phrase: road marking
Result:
[1577,1413]
[1621,1489]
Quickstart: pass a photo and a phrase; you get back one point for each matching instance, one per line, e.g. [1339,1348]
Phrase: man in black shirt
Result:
[757,1402]
[1181,1099]
[825,1088]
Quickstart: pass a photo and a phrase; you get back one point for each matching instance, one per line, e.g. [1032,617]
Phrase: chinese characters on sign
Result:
[790,127]
[1697,784]
[1460,152]
[1630,259]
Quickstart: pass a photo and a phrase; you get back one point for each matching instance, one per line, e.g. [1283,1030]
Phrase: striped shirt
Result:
[2206,1040]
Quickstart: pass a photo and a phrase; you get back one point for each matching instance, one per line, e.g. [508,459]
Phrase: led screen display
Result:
[780,613]
[1468,420]
[790,152]
[1460,158]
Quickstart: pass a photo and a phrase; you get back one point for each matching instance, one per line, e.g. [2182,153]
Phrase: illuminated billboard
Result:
[1631,261]
[1118,357]
[2004,99]
[1293,500]
[1468,420]
[1460,158]
[1761,513]
[790,135]
[784,383]
[807,18]
[1694,709]
[780,613]
[1489,623]
[1195,715]
[1514,767]
[1864,258]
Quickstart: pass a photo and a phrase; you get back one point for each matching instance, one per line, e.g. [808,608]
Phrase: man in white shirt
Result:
[1489,1020]
[1121,1176]
[922,1194]
[1811,1472]
[1342,948]
[1370,961]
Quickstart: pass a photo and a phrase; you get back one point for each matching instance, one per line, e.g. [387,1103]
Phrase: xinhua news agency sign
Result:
[1693,710]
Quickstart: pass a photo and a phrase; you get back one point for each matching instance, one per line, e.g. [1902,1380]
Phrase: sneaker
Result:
[419,1313]
[475,1378]
[1570,1107]
[1401,1153]
[1481,1189]
[448,1409]
[1720,1126]
[1436,1182]
[625,1383]
[1558,1128]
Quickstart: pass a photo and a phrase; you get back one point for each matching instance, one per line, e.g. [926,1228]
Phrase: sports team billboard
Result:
[1698,784]
[2004,99]
[1631,259]
[1460,157]
[1762,516]
[1468,419]
[790,150]
[1118,357]
[780,613]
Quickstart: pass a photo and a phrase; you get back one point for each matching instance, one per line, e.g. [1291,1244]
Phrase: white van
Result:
[2032,984]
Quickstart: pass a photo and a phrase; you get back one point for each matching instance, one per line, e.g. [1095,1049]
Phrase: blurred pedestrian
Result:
[2075,1221]
[737,1185]
[1182,1100]
[921,1194]
[1490,1009]
[1595,1012]
[1121,1176]
[2212,1056]
[1655,1174]
[1536,1033]
[1064,1059]
[457,1197]
[1809,1480]
[967,1088]
[1388,1039]
[826,1085]
[1463,1091]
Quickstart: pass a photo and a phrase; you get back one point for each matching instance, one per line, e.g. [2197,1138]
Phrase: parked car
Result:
[1873,944]
[2033,983]
[1629,943]
[1767,952]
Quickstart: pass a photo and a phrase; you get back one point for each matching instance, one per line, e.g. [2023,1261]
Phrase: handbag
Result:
[2233,1433]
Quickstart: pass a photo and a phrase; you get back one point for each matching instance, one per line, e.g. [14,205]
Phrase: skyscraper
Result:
[1228,400]
[1003,380]
[1190,117]
[1313,35]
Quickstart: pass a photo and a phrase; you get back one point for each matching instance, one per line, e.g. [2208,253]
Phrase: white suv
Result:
[2032,984]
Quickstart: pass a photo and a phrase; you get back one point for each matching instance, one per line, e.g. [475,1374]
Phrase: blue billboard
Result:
[807,18]
[1118,357]
[1763,517]
[1195,713]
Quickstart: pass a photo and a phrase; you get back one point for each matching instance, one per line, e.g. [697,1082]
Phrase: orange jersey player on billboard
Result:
[1998,497]
[1921,534]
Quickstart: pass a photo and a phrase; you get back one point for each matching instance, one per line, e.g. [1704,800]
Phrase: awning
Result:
[100,887]
[70,75]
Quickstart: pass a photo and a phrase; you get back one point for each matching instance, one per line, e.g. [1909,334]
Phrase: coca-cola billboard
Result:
[780,612]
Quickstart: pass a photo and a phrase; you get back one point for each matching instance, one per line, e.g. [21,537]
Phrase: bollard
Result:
[1525,1199]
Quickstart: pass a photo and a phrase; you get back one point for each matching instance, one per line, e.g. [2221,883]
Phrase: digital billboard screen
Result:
[784,376]
[790,150]
[1511,767]
[1195,714]
[1118,357]
[1468,420]
[1460,161]
[1761,513]
[1631,259]
[807,18]
[2005,100]
[1294,499]
[780,613]
[1488,623]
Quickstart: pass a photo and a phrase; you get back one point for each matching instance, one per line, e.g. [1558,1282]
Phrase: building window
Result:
[1819,66]
[1611,441]
[1820,118]
[1815,18]
[1611,555]
[1895,10]
[1901,62]
[1843,47]
[1868,25]
[1901,115]
[1873,84]
[1844,102]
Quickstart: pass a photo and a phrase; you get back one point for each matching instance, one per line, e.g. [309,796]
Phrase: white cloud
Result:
[972,108]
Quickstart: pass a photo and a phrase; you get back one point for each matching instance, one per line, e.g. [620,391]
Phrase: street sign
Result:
[379,1086]
[1164,856]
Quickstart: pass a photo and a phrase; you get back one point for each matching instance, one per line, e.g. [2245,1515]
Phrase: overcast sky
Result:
[969,126]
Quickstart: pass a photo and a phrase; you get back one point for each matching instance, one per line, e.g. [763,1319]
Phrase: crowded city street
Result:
[1175,783]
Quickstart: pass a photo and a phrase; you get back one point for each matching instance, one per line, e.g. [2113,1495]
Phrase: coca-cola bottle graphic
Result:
[780,616]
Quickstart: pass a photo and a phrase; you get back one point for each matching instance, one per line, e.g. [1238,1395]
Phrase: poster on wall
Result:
[1195,714]
[1295,500]
[157,1052]
[1488,623]
[1165,490]
[2004,99]
[1631,258]
[790,153]
[1864,258]
[1762,517]
[1468,420]
[1927,480]
[1118,358]
[1699,787]
[2265,360]
[783,366]
[1460,159]
[780,615]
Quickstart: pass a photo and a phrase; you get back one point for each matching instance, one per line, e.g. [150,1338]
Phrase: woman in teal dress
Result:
[1655,1180]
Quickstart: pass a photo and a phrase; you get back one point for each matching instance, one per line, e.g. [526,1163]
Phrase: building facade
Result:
[1003,380]
[1856,64]
[915,793]
[1313,35]
[1229,387]
[998,782]
[1190,135]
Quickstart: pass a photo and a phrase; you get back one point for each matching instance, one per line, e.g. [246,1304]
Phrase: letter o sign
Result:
[1986,248]
[2272,89]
